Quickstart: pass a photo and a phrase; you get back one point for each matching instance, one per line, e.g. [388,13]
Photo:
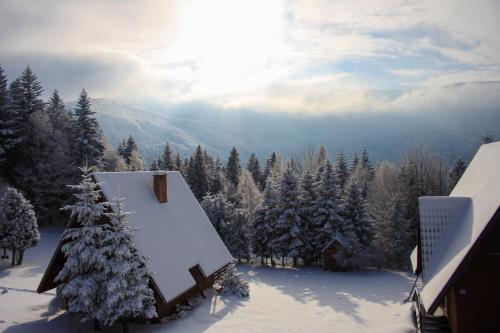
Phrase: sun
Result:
[230,45]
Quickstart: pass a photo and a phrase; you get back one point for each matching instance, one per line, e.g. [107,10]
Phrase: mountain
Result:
[386,135]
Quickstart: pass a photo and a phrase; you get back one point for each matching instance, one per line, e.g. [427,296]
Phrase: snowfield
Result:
[281,300]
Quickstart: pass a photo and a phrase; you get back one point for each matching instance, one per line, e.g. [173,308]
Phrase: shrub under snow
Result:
[229,282]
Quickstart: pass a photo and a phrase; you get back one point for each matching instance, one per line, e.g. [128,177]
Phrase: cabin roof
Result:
[450,226]
[336,238]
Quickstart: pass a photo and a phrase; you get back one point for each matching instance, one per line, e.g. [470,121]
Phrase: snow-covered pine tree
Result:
[366,163]
[254,167]
[354,164]
[178,163]
[230,282]
[309,229]
[154,166]
[88,135]
[58,115]
[126,292]
[84,272]
[356,227]
[9,136]
[197,174]
[327,211]
[397,236]
[220,212]
[289,226]
[237,237]
[456,173]
[18,224]
[233,168]
[341,171]
[166,161]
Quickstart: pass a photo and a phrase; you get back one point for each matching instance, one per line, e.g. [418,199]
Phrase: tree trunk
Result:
[239,260]
[295,261]
[5,256]
[124,326]
[13,257]
[97,327]
[283,261]
[262,260]
[20,257]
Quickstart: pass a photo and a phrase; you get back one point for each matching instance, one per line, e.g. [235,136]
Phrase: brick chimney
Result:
[160,186]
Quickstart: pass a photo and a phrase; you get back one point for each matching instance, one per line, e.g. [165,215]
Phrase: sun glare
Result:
[230,45]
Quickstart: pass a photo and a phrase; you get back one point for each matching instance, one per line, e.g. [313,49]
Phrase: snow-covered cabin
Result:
[458,254]
[172,229]
[330,253]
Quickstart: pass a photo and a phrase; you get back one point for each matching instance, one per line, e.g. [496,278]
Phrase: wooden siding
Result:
[330,256]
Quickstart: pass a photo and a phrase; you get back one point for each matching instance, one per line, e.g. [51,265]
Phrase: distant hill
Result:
[386,135]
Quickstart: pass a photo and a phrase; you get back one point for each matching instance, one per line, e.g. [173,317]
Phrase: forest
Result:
[274,210]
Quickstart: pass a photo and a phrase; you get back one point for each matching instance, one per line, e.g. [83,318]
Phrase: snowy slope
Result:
[281,300]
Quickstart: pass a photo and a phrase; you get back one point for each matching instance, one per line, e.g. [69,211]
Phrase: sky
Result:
[297,56]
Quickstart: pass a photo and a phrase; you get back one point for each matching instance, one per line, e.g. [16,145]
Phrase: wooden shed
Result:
[171,228]
[335,249]
[458,255]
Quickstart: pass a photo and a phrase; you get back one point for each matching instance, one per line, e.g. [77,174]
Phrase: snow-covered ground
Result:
[281,300]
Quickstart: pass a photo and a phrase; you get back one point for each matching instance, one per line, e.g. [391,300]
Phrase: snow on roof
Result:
[337,237]
[451,225]
[175,235]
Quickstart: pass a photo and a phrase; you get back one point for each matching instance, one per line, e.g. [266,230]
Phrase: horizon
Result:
[304,58]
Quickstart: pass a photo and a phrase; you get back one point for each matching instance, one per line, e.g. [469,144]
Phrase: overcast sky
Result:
[294,56]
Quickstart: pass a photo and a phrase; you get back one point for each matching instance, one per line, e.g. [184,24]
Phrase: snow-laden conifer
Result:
[307,198]
[126,293]
[18,224]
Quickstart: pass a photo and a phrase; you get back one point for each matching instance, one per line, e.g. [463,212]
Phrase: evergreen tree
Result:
[129,147]
[126,293]
[154,166]
[366,163]
[487,138]
[326,207]
[456,172]
[270,162]
[135,162]
[178,163]
[356,226]
[397,236]
[112,160]
[264,240]
[18,224]
[9,136]
[89,139]
[249,194]
[233,168]
[237,239]
[166,161]
[254,167]
[341,170]
[289,226]
[58,116]
[220,212]
[309,230]
[355,163]
[83,275]
[197,174]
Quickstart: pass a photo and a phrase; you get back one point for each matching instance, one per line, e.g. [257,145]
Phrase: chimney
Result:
[160,186]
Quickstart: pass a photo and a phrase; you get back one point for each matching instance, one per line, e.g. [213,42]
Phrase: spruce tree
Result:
[254,167]
[356,225]
[220,212]
[269,167]
[178,163]
[309,229]
[18,224]
[396,237]
[233,168]
[126,292]
[354,164]
[9,136]
[135,162]
[154,166]
[58,115]
[166,161]
[341,170]
[327,211]
[197,174]
[237,238]
[83,274]
[89,139]
[366,163]
[289,226]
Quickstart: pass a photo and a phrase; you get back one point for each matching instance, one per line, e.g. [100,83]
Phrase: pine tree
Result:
[254,167]
[356,226]
[263,234]
[166,162]
[396,237]
[355,163]
[58,116]
[89,139]
[135,162]
[269,167]
[289,226]
[456,172]
[233,168]
[154,166]
[220,212]
[341,170]
[178,163]
[237,238]
[309,229]
[197,174]
[366,163]
[326,207]
[9,137]
[18,224]
[84,272]
[126,293]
